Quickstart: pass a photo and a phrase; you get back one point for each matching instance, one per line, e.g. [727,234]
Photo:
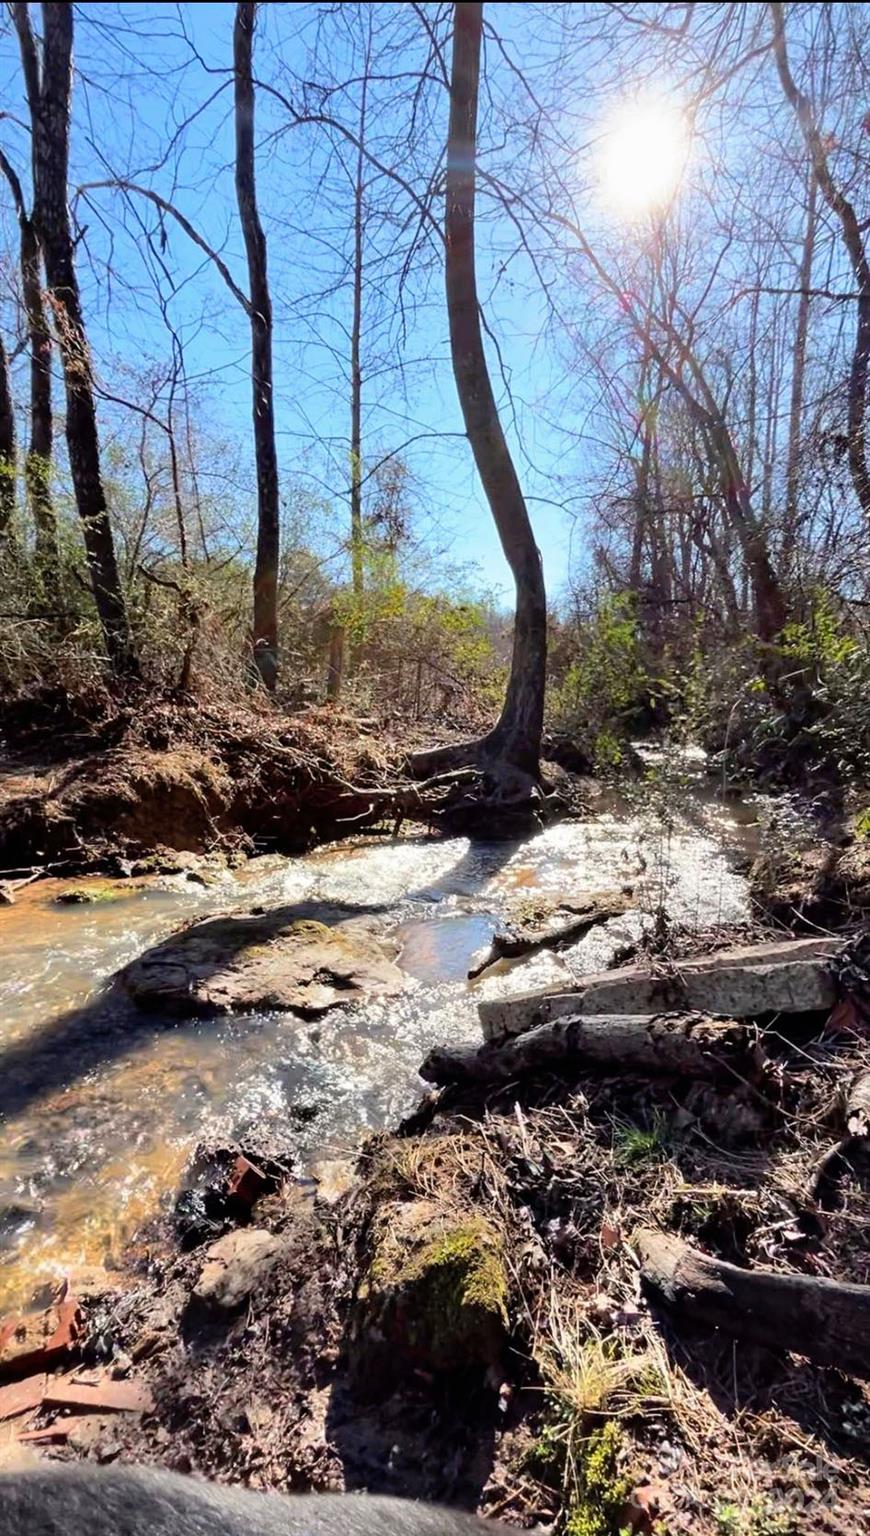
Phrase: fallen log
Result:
[690,1045]
[828,1321]
[564,924]
[789,977]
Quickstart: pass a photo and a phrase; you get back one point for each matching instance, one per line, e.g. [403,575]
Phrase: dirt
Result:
[82,790]
[825,886]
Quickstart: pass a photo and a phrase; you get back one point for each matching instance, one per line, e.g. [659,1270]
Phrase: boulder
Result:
[789,977]
[261,961]
[236,1266]
[433,1296]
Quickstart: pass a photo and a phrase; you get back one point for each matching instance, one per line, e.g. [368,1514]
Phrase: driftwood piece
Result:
[691,1045]
[793,976]
[563,924]
[828,1321]
[857,1113]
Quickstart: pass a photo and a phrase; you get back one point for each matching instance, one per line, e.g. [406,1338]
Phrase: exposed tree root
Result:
[825,1320]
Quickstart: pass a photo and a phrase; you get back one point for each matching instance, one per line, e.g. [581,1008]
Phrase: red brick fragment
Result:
[101,1396]
[247,1181]
[22,1396]
[36,1342]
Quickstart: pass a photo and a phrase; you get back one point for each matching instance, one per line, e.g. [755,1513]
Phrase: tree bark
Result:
[798,371]
[825,1320]
[7,454]
[49,92]
[356,518]
[853,240]
[268,508]
[516,738]
[37,467]
[689,1045]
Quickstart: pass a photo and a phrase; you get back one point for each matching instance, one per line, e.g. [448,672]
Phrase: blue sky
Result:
[137,82]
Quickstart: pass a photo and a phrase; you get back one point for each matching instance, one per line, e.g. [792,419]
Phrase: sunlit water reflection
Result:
[99,1111]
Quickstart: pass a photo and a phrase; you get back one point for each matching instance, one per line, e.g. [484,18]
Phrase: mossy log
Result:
[828,1321]
[690,1045]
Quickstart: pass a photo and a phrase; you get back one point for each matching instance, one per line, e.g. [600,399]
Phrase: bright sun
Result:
[642,155]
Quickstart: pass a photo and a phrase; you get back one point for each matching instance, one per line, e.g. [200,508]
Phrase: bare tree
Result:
[38,464]
[260,312]
[853,240]
[49,90]
[7,453]
[515,741]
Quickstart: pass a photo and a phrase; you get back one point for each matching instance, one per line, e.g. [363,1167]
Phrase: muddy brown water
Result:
[101,1104]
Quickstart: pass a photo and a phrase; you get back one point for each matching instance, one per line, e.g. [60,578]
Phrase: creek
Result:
[101,1104]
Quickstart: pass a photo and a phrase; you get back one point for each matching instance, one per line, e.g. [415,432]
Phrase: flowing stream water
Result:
[100,1103]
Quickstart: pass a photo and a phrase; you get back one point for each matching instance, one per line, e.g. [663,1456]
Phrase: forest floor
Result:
[466,1322]
[463,1319]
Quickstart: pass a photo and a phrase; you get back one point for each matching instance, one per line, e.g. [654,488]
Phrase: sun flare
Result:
[643,155]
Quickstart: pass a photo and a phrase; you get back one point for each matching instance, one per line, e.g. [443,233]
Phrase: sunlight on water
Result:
[102,1107]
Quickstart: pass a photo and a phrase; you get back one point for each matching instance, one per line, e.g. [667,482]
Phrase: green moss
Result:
[593,1477]
[602,1488]
[460,1267]
[80,895]
[760,1518]
[438,1291]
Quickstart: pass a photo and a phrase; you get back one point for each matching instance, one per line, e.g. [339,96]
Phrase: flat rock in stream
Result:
[790,977]
[274,960]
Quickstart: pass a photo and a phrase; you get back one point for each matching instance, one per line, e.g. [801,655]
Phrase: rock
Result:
[277,960]
[34,1343]
[789,977]
[81,895]
[92,1282]
[433,1297]
[236,1266]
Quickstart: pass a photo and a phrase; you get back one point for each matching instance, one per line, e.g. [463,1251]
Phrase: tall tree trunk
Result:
[7,454]
[517,736]
[49,92]
[798,370]
[39,453]
[853,240]
[268,510]
[37,468]
[356,519]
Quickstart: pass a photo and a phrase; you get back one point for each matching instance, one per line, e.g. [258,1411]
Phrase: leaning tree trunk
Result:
[268,513]
[7,454]
[50,112]
[516,739]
